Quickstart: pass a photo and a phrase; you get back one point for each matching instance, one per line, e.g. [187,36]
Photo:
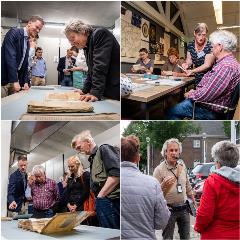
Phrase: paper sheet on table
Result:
[164,82]
[139,86]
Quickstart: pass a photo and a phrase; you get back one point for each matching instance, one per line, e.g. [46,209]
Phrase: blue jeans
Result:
[185,109]
[108,212]
[67,81]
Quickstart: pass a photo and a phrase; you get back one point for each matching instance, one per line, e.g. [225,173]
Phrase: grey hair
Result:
[200,27]
[225,153]
[78,26]
[171,140]
[38,169]
[225,38]
[82,136]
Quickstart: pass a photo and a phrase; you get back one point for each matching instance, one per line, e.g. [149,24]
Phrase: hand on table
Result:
[72,208]
[88,98]
[185,66]
[190,72]
[13,205]
[25,87]
[16,87]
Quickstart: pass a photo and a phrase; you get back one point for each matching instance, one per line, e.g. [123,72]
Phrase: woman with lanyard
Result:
[199,53]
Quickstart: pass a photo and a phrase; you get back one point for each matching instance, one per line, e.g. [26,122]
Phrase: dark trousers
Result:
[67,81]
[183,221]
[42,213]
[108,212]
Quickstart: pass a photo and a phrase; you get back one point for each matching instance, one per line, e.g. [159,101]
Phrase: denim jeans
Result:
[42,213]
[108,212]
[67,81]
[183,221]
[185,109]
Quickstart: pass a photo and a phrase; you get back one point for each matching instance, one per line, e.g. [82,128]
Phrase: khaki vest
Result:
[99,175]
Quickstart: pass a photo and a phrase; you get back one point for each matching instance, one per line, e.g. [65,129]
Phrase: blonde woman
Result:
[78,185]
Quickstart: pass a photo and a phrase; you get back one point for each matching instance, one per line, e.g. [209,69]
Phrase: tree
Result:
[227,128]
[159,132]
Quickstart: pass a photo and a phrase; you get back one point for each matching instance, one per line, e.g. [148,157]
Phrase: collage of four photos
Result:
[120,120]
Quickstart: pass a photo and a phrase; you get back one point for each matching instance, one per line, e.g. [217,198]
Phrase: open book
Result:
[61,222]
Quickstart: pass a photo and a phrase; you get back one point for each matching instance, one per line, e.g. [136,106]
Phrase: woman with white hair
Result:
[78,185]
[218,214]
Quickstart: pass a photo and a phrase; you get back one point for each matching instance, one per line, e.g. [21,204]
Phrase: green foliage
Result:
[159,132]
[227,128]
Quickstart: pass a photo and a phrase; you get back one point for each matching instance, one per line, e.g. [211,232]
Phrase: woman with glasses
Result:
[144,64]
[199,54]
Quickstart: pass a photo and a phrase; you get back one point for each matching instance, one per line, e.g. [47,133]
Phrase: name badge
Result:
[179,188]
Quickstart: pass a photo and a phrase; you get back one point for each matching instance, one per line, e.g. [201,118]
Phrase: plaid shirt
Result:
[45,195]
[218,84]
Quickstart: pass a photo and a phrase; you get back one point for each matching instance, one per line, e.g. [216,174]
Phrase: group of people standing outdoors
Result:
[46,197]
[158,202]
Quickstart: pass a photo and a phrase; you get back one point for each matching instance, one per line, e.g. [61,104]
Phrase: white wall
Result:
[5,157]
[50,48]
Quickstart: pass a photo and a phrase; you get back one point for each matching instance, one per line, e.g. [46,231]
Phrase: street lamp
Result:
[148,154]
[204,136]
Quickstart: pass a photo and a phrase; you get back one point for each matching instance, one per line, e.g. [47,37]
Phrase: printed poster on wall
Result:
[145,30]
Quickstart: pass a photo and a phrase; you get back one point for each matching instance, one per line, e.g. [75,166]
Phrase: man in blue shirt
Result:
[39,69]
[14,56]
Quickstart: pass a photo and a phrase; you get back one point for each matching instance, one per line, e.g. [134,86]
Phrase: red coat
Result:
[218,214]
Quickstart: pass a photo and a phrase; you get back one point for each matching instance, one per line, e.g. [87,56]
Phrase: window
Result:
[196,143]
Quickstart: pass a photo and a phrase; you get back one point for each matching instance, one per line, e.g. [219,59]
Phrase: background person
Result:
[146,63]
[64,68]
[218,214]
[16,188]
[102,52]
[143,207]
[173,63]
[199,53]
[14,56]
[38,69]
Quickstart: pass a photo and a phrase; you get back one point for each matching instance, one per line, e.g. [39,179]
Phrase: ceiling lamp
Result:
[217,5]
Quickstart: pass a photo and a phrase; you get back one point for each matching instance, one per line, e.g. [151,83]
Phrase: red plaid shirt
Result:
[218,84]
[45,195]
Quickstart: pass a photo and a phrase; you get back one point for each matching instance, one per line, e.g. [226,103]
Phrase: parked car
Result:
[200,172]
[198,190]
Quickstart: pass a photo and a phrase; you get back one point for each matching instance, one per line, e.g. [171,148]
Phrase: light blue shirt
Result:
[24,47]
[39,69]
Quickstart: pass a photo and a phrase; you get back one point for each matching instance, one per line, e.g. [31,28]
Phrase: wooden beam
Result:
[168,10]
[160,7]
[175,17]
[150,12]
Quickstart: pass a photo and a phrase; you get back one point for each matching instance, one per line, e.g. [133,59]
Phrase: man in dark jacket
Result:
[64,68]
[17,186]
[102,53]
[14,58]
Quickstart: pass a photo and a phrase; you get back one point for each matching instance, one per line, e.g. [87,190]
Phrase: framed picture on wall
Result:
[145,30]
[152,33]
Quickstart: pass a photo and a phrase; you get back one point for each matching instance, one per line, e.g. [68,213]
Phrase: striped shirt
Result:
[218,84]
[198,58]
[44,195]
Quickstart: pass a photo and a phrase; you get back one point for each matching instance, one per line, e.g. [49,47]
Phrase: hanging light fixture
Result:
[217,5]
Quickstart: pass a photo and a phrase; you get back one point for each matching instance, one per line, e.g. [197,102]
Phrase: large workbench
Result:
[14,107]
[153,94]
[11,231]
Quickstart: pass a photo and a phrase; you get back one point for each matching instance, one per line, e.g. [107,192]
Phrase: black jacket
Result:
[16,190]
[103,59]
[61,66]
[11,56]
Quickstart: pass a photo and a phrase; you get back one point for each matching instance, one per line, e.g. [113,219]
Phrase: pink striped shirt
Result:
[218,84]
[45,194]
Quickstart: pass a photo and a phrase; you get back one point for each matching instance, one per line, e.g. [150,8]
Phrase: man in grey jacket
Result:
[143,207]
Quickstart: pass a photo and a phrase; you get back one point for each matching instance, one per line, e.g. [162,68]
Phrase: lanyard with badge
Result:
[179,186]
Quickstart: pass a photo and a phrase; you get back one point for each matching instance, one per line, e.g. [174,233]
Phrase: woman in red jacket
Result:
[218,214]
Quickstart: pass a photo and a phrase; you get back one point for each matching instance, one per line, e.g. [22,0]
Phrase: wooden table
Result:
[154,93]
[14,107]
